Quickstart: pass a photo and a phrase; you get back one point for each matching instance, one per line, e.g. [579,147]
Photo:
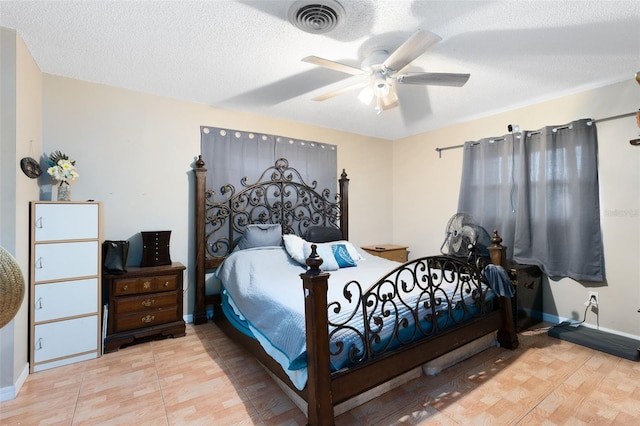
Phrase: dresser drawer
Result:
[134,304]
[66,221]
[65,260]
[144,301]
[129,286]
[146,319]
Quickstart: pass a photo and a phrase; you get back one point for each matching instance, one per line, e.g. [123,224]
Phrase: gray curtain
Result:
[231,155]
[488,191]
[540,190]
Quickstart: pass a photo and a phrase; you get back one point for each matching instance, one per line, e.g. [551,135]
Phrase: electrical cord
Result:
[572,324]
[584,318]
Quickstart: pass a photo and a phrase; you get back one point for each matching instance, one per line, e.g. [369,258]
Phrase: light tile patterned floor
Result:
[204,379]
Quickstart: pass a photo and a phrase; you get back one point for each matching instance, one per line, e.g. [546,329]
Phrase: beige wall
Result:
[425,193]
[134,154]
[20,136]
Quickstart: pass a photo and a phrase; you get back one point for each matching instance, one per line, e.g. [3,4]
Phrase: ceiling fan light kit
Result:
[382,72]
[380,85]
[379,94]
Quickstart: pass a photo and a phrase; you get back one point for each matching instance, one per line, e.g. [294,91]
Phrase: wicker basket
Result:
[11,287]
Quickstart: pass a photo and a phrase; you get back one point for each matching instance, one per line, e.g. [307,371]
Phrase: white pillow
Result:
[295,247]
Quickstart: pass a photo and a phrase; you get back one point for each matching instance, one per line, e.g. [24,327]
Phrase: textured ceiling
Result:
[245,55]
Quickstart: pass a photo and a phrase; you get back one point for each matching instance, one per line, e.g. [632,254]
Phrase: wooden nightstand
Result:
[389,251]
[143,302]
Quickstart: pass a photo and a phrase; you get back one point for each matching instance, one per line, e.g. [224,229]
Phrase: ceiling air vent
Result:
[316,17]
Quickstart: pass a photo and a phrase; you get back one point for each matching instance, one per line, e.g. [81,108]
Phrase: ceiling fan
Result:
[382,71]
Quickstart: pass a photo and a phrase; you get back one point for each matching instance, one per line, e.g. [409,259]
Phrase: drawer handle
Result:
[148,318]
[146,284]
[39,223]
[166,283]
[39,344]
[39,303]
[125,287]
[148,302]
[39,263]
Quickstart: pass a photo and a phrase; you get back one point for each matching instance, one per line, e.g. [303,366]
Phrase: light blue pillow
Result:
[342,256]
[260,235]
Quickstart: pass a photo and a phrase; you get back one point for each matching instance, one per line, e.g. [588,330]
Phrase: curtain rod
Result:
[446,148]
[613,117]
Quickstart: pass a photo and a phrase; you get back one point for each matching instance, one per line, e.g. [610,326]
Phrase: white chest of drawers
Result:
[65,275]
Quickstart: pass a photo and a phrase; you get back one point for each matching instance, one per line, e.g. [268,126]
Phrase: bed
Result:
[326,319]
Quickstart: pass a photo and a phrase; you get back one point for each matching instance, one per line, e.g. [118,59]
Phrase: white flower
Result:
[61,168]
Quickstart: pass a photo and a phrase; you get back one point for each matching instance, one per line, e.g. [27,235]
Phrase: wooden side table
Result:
[143,302]
[389,251]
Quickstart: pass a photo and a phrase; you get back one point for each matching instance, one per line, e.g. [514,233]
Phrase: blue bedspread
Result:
[263,289]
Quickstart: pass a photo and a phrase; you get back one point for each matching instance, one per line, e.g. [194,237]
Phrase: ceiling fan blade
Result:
[340,91]
[410,50]
[336,66]
[434,79]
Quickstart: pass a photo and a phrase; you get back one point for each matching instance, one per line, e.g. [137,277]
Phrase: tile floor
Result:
[205,379]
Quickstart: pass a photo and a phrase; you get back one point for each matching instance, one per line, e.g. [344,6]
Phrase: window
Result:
[540,190]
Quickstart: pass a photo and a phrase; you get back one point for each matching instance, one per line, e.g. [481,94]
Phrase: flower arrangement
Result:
[61,168]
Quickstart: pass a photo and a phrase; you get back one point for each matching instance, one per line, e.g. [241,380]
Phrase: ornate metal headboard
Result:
[280,195]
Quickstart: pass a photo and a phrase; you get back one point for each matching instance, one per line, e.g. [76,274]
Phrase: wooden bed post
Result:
[199,311]
[344,205]
[507,335]
[319,399]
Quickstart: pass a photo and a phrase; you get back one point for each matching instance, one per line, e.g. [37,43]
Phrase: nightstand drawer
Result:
[125,287]
[125,305]
[389,251]
[146,319]
[395,255]
[143,302]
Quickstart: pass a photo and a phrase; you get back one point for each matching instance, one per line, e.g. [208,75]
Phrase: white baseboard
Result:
[10,392]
